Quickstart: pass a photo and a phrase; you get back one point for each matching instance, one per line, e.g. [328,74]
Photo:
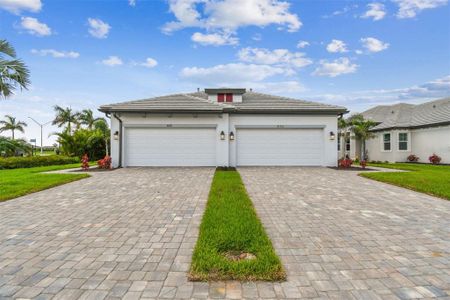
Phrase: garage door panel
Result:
[280,147]
[170,147]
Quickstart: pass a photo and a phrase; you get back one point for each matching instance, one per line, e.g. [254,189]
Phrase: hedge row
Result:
[36,161]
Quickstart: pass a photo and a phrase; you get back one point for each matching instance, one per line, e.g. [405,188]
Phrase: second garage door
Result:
[279,147]
[170,147]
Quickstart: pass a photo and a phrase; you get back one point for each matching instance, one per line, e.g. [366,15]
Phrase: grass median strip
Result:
[19,182]
[233,244]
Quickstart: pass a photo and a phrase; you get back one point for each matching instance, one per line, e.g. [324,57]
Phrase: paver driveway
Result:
[130,234]
[126,233]
[343,236]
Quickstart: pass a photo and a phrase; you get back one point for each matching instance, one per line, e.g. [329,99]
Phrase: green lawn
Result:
[19,182]
[230,224]
[429,179]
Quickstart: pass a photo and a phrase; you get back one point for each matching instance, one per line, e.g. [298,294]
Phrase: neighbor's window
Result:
[229,97]
[220,97]
[387,142]
[347,144]
[403,141]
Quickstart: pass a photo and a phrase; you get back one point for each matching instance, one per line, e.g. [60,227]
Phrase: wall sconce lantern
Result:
[222,135]
[116,135]
[231,136]
[332,135]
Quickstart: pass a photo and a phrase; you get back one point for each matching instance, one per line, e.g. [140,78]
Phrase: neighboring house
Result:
[404,129]
[223,127]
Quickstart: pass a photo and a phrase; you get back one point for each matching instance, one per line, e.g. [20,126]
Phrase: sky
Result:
[357,54]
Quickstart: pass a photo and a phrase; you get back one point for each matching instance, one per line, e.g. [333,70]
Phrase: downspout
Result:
[120,140]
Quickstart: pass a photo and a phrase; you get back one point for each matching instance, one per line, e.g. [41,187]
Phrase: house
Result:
[223,127]
[403,129]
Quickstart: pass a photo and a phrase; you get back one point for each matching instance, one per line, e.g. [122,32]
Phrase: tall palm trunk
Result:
[12,134]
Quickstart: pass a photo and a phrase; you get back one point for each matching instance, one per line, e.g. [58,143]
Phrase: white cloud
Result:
[149,63]
[410,8]
[336,46]
[112,61]
[231,14]
[98,28]
[230,74]
[214,39]
[55,53]
[362,100]
[373,44]
[376,11]
[16,6]
[279,57]
[343,11]
[34,27]
[132,2]
[302,44]
[335,68]
[257,37]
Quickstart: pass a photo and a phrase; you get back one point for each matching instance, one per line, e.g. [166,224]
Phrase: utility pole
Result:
[40,125]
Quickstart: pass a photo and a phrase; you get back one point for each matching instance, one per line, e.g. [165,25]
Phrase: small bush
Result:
[104,163]
[363,164]
[345,163]
[412,158]
[435,159]
[85,162]
[36,161]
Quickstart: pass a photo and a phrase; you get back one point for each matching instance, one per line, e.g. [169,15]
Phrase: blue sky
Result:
[353,53]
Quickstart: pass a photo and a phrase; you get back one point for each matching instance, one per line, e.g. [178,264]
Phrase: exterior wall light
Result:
[116,135]
[222,135]
[231,136]
[332,135]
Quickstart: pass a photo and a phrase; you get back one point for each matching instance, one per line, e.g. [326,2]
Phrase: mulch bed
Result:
[93,170]
[352,169]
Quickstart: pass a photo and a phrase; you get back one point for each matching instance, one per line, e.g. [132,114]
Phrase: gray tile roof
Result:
[252,102]
[404,115]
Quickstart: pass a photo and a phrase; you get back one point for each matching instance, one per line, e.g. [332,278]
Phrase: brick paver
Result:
[129,234]
[341,236]
[122,234]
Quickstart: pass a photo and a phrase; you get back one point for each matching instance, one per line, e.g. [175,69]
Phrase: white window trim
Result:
[382,141]
[408,148]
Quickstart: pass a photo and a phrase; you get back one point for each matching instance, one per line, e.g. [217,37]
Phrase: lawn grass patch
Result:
[429,179]
[229,225]
[19,182]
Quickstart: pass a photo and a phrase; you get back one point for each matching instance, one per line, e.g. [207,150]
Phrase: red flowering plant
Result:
[104,163]
[434,159]
[345,162]
[85,162]
[412,158]
[363,164]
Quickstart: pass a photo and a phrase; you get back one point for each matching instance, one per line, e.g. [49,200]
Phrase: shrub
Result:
[434,159]
[345,163]
[412,158]
[363,164]
[36,161]
[85,162]
[104,163]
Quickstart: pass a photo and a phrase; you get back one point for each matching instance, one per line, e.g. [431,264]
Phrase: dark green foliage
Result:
[36,161]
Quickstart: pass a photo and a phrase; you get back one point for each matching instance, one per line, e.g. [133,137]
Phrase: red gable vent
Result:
[221,97]
[229,97]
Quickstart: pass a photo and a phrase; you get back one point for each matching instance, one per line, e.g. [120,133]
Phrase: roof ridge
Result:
[293,99]
[208,101]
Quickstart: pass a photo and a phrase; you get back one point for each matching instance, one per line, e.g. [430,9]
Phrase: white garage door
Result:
[170,147]
[279,147]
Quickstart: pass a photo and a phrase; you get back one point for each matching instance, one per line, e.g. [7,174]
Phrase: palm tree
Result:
[10,147]
[65,117]
[361,128]
[13,72]
[102,126]
[12,124]
[86,117]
